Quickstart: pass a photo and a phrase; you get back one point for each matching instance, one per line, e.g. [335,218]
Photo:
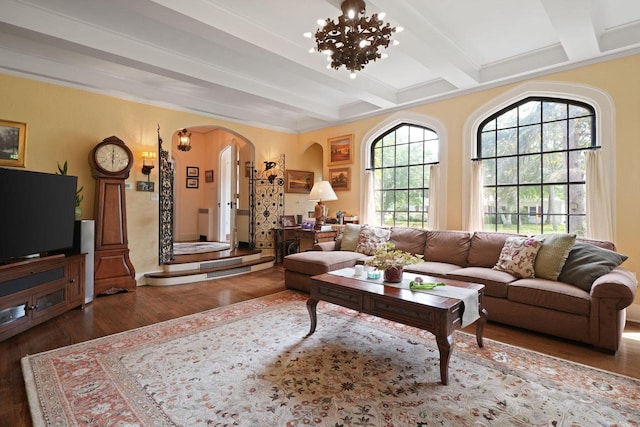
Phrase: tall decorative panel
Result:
[165,251]
[267,204]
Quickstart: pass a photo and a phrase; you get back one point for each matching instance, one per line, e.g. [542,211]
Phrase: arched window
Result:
[534,166]
[400,161]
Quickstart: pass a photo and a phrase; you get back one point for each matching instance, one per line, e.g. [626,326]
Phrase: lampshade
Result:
[322,191]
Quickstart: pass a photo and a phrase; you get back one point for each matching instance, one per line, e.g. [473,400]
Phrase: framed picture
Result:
[192,182]
[145,186]
[208,176]
[193,171]
[298,181]
[247,169]
[340,179]
[341,150]
[13,137]
[288,221]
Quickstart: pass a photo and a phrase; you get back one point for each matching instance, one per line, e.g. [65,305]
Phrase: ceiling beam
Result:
[573,22]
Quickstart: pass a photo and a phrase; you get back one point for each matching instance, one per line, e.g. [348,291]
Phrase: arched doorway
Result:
[204,188]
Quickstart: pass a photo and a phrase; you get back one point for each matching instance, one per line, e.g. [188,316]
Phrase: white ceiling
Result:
[247,61]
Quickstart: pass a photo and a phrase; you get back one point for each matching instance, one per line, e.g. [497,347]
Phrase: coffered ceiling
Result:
[247,60]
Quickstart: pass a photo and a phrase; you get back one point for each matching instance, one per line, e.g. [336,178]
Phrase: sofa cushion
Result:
[317,262]
[485,248]
[553,254]
[409,239]
[550,294]
[372,238]
[518,256]
[451,247]
[586,263]
[496,282]
[350,236]
[439,269]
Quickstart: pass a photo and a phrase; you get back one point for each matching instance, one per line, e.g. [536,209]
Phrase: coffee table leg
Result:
[480,326]
[311,308]
[445,343]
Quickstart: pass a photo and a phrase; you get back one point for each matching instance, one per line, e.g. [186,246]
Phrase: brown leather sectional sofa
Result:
[595,316]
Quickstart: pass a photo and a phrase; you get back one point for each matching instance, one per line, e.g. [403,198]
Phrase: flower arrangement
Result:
[387,257]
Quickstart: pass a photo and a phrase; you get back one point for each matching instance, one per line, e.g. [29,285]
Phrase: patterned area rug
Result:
[186,248]
[251,364]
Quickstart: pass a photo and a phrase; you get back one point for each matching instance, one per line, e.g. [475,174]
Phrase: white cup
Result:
[359,270]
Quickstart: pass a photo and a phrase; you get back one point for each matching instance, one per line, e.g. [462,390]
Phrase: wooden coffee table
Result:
[438,315]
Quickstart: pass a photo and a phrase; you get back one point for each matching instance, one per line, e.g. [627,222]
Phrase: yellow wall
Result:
[64,124]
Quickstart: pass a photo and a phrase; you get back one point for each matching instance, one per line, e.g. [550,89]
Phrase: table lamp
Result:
[320,192]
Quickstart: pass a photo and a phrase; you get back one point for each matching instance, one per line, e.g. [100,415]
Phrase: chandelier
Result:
[354,39]
[184,140]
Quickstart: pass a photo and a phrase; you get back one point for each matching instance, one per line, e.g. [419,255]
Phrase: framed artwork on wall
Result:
[13,137]
[340,179]
[193,171]
[288,221]
[193,182]
[341,150]
[298,181]
[208,176]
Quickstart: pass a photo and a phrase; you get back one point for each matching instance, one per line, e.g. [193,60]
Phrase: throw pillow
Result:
[553,254]
[371,238]
[350,237]
[586,263]
[518,256]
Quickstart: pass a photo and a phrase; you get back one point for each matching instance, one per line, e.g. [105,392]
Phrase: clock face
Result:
[112,157]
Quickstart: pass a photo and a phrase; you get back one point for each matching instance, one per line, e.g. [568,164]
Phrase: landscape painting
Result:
[341,150]
[12,143]
[340,179]
[298,181]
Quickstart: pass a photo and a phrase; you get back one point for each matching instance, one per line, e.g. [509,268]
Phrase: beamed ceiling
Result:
[247,60]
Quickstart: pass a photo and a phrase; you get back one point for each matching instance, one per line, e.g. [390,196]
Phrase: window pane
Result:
[431,152]
[402,177]
[416,176]
[580,133]
[416,134]
[402,155]
[402,200]
[529,113]
[530,139]
[491,125]
[507,170]
[416,200]
[554,201]
[389,140]
[577,166]
[388,156]
[578,225]
[529,204]
[555,165]
[508,119]
[507,144]
[578,199]
[488,144]
[416,219]
[416,152]
[507,203]
[553,111]
[555,136]
[489,172]
[578,111]
[530,172]
[430,135]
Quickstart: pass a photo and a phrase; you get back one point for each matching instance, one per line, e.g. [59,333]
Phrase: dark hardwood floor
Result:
[116,313]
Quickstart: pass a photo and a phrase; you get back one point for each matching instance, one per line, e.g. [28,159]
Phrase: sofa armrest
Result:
[619,283]
[325,246]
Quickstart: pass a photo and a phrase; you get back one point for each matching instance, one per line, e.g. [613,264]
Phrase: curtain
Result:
[475,221]
[434,198]
[369,206]
[599,216]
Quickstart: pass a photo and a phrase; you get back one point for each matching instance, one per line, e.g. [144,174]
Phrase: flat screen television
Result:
[37,212]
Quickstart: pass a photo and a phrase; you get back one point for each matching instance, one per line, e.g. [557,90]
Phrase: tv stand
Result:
[38,289]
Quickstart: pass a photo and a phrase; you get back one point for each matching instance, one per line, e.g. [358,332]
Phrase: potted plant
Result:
[392,261]
[62,170]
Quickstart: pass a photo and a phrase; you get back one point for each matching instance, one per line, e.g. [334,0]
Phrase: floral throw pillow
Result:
[371,238]
[518,256]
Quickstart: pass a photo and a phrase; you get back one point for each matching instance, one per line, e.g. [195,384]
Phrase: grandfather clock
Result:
[111,161]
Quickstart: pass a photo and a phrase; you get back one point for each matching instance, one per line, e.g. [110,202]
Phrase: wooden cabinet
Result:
[34,291]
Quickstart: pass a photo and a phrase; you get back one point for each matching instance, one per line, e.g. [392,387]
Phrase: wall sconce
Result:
[147,162]
[184,140]
[270,171]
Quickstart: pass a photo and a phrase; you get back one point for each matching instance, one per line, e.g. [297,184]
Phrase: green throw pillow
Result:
[586,263]
[553,254]
[350,237]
